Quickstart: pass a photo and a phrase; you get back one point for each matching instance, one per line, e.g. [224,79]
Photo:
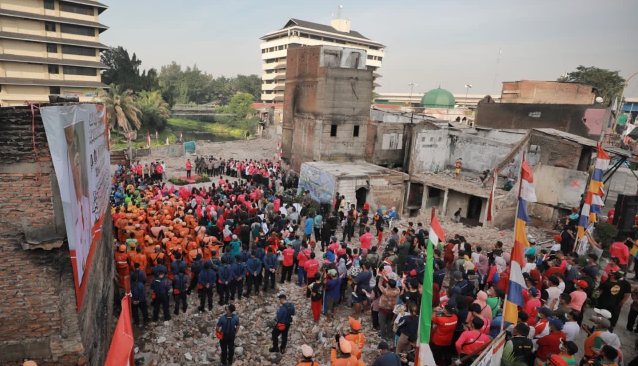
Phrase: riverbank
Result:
[190,129]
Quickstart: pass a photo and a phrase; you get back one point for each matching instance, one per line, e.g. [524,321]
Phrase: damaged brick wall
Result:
[38,314]
[563,117]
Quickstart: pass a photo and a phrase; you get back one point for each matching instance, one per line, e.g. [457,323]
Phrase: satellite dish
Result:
[599,100]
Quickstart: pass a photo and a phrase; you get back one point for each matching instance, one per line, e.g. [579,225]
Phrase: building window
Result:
[77,9]
[315,37]
[54,69]
[52,48]
[49,4]
[379,58]
[84,71]
[263,51]
[49,27]
[333,130]
[81,31]
[81,51]
[54,90]
[355,132]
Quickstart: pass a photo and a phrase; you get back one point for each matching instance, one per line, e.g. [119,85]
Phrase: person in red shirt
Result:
[188,168]
[288,263]
[531,305]
[441,341]
[471,340]
[551,342]
[620,250]
[366,242]
[302,258]
[311,266]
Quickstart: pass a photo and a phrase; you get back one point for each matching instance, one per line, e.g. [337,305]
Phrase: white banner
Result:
[77,136]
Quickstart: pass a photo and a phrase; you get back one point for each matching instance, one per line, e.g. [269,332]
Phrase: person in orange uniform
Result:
[139,258]
[122,267]
[307,353]
[355,334]
[130,256]
[344,357]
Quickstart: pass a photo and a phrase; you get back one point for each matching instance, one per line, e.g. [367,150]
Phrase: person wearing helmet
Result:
[122,267]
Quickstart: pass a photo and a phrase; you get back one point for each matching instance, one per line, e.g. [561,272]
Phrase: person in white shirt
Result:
[571,327]
[530,265]
[553,293]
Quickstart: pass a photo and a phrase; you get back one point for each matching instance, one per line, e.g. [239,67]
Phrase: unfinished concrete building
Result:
[328,95]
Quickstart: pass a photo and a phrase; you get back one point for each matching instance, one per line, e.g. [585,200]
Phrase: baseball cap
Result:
[354,324]
[599,320]
[557,323]
[556,360]
[383,345]
[581,283]
[603,312]
[449,307]
[545,311]
[306,351]
[533,291]
[570,346]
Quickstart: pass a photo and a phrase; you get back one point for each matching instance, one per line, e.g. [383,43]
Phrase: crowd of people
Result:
[236,239]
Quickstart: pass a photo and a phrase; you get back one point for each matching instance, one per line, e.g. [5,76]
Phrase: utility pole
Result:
[411,85]
[467,88]
[622,96]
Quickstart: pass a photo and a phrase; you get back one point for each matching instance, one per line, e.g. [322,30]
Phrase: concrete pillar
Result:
[444,205]
[405,199]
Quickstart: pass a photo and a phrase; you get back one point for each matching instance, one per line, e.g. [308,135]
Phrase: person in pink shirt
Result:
[620,250]
[578,295]
[188,168]
[302,258]
[366,242]
[288,263]
[531,306]
[311,266]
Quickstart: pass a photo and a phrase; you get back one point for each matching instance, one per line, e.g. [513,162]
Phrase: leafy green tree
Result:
[123,70]
[249,84]
[155,111]
[608,84]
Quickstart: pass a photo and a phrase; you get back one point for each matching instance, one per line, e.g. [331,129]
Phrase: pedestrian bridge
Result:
[197,110]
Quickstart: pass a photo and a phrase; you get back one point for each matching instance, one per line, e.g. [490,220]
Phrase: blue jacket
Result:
[270,261]
[245,256]
[141,276]
[216,263]
[332,288]
[225,274]
[180,282]
[260,253]
[285,313]
[161,286]
[230,259]
[309,226]
[177,266]
[253,265]
[196,268]
[138,291]
[156,269]
[239,271]
[207,277]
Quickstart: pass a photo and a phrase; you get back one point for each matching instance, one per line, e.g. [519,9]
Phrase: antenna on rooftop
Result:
[339,12]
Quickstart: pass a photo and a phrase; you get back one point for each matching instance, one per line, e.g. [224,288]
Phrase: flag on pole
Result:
[490,201]
[517,281]
[148,140]
[594,196]
[424,353]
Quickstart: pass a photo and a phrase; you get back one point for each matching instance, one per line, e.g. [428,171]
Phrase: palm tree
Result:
[122,111]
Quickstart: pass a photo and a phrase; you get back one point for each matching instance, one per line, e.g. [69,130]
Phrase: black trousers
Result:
[269,276]
[224,293]
[631,320]
[286,273]
[161,301]
[236,288]
[318,236]
[180,298]
[284,337]
[188,174]
[252,282]
[228,347]
[193,283]
[206,293]
[136,316]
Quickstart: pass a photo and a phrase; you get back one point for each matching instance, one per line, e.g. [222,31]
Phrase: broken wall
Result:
[563,117]
[385,145]
[430,149]
[477,153]
[546,92]
[39,317]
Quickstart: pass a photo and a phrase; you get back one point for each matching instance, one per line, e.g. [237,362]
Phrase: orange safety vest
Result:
[121,262]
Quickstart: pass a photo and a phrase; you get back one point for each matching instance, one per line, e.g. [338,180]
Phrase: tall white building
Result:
[297,33]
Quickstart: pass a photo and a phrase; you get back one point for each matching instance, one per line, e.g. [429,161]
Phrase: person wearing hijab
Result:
[481,300]
[612,340]
[482,270]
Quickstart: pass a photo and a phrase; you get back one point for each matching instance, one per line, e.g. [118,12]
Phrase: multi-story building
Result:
[49,47]
[296,33]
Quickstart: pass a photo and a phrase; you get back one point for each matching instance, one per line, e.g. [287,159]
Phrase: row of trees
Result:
[608,84]
[143,99]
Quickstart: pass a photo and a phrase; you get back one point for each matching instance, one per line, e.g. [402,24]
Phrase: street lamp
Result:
[411,85]
[622,96]
[467,88]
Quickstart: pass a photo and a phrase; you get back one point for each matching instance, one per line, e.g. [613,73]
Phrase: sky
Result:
[447,43]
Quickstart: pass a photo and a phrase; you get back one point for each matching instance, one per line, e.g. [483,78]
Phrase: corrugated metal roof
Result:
[583,141]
